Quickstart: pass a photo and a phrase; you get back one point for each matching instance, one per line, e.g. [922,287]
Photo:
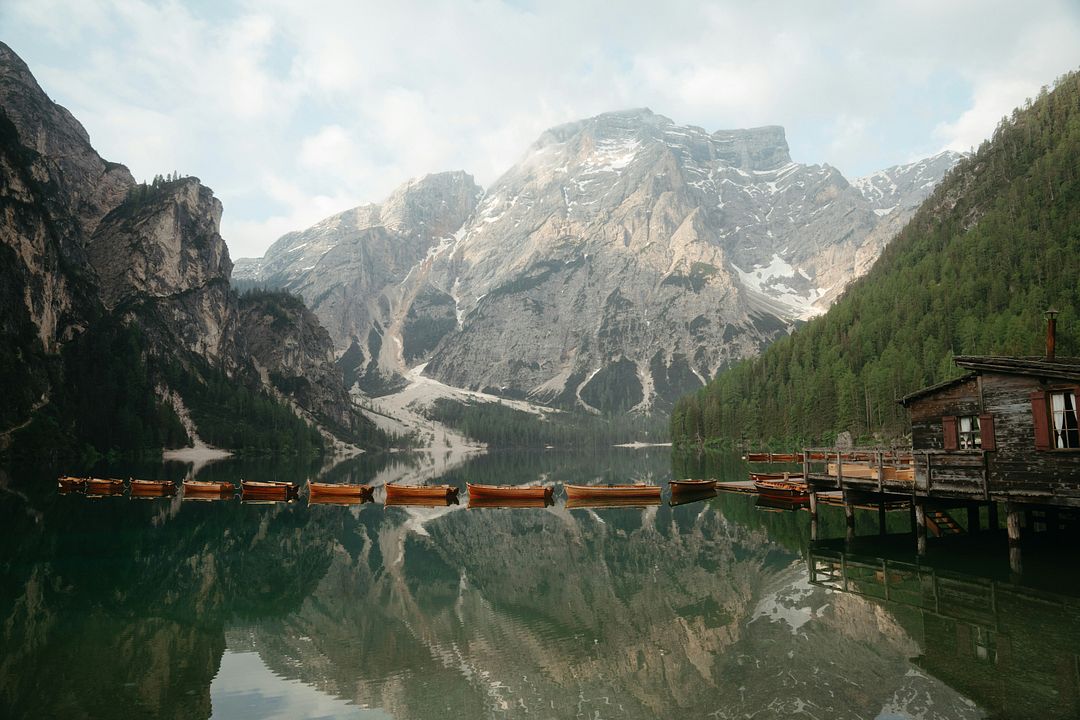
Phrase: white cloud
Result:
[349,99]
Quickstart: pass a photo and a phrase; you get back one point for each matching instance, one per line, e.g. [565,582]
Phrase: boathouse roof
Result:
[1064,368]
[911,397]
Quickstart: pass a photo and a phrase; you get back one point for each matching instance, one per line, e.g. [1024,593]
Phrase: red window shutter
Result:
[986,432]
[948,427]
[1040,416]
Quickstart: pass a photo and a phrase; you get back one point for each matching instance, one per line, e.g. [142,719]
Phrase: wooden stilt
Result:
[1012,522]
[881,515]
[849,517]
[992,519]
[813,516]
[920,528]
[973,518]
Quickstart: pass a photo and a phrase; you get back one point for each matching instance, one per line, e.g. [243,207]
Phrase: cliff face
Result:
[293,353]
[85,247]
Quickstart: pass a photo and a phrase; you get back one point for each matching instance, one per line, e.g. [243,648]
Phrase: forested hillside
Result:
[996,244]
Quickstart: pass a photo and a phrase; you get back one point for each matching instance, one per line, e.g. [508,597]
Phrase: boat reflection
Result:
[614,502]
[421,501]
[493,502]
[685,498]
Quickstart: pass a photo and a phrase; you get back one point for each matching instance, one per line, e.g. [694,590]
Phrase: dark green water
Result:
[119,608]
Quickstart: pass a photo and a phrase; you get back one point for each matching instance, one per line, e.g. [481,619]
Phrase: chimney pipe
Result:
[1051,332]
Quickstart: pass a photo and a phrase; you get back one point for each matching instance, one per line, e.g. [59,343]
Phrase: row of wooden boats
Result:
[395,493]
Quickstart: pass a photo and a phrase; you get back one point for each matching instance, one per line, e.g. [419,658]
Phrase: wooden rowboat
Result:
[208,490]
[437,492]
[508,492]
[508,502]
[792,477]
[773,457]
[692,486]
[781,488]
[152,488]
[337,490]
[67,483]
[102,486]
[268,491]
[638,490]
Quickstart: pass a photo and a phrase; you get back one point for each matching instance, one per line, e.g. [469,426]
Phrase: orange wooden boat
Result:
[773,457]
[152,488]
[781,488]
[103,486]
[769,477]
[612,502]
[400,492]
[692,486]
[509,502]
[337,490]
[508,492]
[67,483]
[638,490]
[208,490]
[273,491]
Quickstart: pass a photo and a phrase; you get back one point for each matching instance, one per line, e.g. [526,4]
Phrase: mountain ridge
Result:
[629,212]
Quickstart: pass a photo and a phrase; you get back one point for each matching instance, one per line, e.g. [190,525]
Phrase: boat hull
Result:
[331,490]
[692,486]
[196,487]
[434,492]
[152,488]
[268,491]
[612,491]
[781,489]
[71,484]
[509,492]
[99,486]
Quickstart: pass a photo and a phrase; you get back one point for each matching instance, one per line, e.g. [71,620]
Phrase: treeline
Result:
[504,427]
[995,245]
[230,414]
[102,402]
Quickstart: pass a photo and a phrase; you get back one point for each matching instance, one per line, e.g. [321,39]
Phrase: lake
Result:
[170,608]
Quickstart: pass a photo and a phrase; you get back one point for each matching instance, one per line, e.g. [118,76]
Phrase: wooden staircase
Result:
[940,523]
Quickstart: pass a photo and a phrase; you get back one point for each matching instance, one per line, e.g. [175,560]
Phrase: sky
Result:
[293,111]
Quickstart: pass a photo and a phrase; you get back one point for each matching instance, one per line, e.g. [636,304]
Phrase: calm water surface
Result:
[119,608]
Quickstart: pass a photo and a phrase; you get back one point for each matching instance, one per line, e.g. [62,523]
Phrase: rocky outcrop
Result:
[85,247]
[350,267]
[160,251]
[294,354]
[623,261]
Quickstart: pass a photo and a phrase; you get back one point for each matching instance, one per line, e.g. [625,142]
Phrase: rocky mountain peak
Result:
[89,185]
[754,149]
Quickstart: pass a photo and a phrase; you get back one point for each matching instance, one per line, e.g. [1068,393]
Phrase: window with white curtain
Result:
[1063,413]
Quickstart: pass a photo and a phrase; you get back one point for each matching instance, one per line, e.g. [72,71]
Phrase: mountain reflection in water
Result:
[708,609]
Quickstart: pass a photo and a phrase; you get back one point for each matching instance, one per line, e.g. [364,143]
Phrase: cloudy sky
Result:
[292,111]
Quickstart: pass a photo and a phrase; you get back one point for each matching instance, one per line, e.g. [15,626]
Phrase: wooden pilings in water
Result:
[1012,522]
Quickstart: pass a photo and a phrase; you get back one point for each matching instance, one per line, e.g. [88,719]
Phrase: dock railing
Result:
[878,468]
[954,473]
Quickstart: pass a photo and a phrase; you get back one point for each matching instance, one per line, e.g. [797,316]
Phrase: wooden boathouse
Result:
[1005,432]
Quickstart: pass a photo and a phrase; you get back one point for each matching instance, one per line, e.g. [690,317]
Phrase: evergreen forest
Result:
[995,245]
